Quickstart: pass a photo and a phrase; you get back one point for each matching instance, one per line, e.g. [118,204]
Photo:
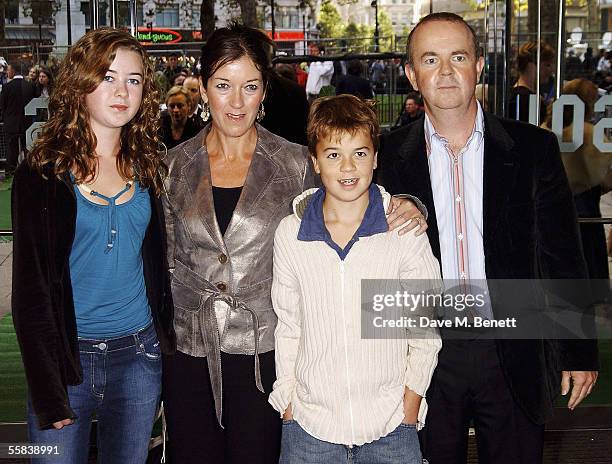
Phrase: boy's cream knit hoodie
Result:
[343,388]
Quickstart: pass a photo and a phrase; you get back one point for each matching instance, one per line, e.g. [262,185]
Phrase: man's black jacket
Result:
[529,231]
[14,97]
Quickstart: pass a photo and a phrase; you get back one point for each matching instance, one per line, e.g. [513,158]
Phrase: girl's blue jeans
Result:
[121,388]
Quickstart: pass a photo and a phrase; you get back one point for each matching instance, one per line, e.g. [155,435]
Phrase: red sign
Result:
[287,35]
[156,35]
[278,35]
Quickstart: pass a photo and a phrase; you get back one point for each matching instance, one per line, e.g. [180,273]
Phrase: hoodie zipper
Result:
[346,357]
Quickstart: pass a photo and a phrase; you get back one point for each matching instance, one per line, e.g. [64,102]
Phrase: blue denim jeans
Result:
[121,388]
[401,446]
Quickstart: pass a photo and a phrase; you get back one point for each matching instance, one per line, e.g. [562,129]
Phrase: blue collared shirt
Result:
[312,227]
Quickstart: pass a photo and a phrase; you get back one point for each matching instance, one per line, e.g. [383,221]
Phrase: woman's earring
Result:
[205,112]
[261,113]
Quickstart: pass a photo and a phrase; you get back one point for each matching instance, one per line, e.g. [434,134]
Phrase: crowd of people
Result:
[14,96]
[307,81]
[213,257]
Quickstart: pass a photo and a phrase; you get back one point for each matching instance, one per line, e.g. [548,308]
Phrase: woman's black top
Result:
[225,201]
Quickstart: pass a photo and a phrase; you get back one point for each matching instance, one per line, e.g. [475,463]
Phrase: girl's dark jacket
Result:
[44,217]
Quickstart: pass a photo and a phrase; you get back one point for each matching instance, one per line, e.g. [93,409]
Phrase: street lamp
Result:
[374,5]
[69,22]
[302,7]
[273,22]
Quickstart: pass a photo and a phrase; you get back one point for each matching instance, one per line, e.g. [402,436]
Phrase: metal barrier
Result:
[3,145]
[20,52]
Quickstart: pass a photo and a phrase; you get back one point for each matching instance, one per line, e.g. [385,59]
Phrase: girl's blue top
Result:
[110,297]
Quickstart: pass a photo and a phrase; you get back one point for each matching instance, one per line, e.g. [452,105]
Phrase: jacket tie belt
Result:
[211,338]
[209,330]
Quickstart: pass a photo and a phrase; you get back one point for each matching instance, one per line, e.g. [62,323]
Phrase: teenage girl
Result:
[91,301]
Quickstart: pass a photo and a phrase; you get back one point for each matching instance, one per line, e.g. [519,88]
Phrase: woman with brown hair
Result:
[227,190]
[44,83]
[91,301]
[518,104]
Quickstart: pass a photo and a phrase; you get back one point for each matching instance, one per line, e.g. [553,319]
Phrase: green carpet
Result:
[12,378]
[13,390]
[5,205]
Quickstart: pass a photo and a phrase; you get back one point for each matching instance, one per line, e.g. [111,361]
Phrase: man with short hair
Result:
[499,208]
[172,68]
[411,111]
[15,95]
[192,85]
[319,73]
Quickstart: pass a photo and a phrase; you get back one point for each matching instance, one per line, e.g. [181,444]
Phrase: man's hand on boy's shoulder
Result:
[404,214]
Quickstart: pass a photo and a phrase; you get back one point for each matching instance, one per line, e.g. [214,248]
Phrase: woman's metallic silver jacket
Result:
[221,284]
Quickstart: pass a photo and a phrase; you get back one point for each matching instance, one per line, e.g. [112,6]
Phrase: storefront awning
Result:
[30,33]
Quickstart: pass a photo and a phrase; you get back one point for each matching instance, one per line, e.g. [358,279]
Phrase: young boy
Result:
[344,398]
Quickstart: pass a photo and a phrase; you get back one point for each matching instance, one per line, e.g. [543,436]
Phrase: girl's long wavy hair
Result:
[67,141]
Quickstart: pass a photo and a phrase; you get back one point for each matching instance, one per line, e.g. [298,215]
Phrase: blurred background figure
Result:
[15,95]
[589,63]
[179,78]
[319,73]
[44,84]
[588,173]
[33,74]
[378,76]
[574,68]
[301,74]
[172,67]
[603,65]
[526,84]
[287,71]
[161,80]
[3,72]
[192,85]
[286,106]
[43,87]
[353,83]
[411,110]
[175,124]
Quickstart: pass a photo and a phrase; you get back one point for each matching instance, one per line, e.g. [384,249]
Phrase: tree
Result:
[207,18]
[548,19]
[248,12]
[385,31]
[358,37]
[330,21]
[2,15]
[594,24]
